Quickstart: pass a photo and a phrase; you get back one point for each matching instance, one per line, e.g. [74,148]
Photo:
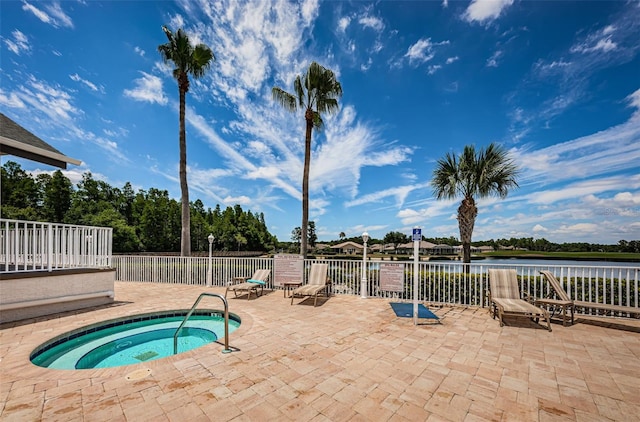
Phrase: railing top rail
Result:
[44,223]
[587,264]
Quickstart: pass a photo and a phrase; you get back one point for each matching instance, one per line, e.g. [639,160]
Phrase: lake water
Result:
[554,262]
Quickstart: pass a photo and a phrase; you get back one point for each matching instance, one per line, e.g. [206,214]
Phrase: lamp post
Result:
[363,281]
[211,239]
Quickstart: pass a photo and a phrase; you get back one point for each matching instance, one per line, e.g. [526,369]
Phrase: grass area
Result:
[600,256]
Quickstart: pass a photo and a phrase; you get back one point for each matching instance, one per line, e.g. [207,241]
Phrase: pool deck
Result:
[348,359]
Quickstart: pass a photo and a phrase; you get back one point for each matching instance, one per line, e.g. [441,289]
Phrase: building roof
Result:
[16,140]
[423,245]
[347,244]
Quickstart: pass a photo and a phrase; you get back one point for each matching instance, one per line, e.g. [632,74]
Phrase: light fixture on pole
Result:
[363,281]
[211,239]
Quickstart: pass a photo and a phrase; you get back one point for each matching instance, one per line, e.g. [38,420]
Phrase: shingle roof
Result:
[16,140]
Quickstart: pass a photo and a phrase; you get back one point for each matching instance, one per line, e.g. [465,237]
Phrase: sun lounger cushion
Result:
[256,281]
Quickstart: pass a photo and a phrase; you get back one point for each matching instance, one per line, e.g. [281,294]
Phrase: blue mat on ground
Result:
[405,310]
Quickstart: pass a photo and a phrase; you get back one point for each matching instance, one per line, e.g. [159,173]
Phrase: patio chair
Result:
[563,300]
[504,298]
[257,281]
[602,307]
[318,281]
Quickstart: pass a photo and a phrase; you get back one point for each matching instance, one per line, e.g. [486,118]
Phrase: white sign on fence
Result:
[392,277]
[287,269]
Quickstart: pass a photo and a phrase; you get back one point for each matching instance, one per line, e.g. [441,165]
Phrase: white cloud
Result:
[399,193]
[583,189]
[19,43]
[343,23]
[147,88]
[612,150]
[371,22]
[139,51]
[11,100]
[485,10]
[423,50]
[240,200]
[493,60]
[54,15]
[579,229]
[539,228]
[433,69]
[75,77]
[53,101]
[452,59]
[570,73]
[598,42]
[634,101]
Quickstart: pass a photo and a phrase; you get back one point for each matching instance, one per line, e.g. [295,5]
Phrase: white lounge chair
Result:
[252,284]
[318,281]
[504,298]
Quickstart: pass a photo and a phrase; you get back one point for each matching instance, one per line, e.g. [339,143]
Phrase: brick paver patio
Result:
[347,359]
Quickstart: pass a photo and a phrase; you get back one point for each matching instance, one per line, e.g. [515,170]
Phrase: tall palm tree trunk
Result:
[467,212]
[185,235]
[305,184]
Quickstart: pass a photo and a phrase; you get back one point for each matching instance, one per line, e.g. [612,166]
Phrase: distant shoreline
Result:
[603,257]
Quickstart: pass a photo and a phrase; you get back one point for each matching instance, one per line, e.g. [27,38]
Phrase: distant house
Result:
[348,248]
[424,247]
[443,249]
[382,248]
[485,248]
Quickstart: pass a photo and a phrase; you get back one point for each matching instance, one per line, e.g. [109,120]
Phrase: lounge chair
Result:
[318,281]
[561,299]
[603,307]
[257,281]
[504,298]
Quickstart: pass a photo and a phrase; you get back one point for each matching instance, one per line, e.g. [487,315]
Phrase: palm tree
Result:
[194,61]
[342,235]
[489,172]
[316,92]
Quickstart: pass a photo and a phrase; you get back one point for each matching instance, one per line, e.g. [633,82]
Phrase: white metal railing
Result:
[439,282]
[38,246]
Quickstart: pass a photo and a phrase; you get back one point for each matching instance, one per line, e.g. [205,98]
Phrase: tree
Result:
[240,240]
[57,197]
[471,175]
[312,238]
[194,61]
[342,235]
[316,92]
[296,235]
[395,238]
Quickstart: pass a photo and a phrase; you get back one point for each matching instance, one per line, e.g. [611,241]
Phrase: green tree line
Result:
[143,221]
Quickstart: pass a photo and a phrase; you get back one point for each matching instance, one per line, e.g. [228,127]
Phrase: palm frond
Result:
[283,98]
[186,58]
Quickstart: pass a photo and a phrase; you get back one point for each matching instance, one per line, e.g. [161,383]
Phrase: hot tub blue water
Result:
[132,340]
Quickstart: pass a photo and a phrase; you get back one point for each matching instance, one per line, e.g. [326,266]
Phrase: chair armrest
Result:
[527,297]
[238,280]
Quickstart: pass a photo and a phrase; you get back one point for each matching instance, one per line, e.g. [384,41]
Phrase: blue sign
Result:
[417,235]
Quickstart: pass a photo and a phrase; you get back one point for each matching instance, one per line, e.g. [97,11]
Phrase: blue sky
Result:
[556,83]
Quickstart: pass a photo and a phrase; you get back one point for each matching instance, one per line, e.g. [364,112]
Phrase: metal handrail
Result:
[193,308]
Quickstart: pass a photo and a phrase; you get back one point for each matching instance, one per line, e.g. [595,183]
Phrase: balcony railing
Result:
[439,282]
[37,246]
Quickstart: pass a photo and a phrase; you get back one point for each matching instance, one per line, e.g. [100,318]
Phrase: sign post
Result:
[417,238]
